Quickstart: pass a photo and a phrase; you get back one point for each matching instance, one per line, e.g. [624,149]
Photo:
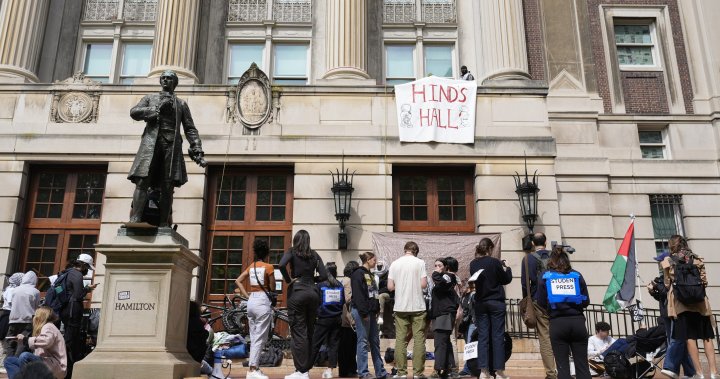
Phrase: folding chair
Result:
[652,358]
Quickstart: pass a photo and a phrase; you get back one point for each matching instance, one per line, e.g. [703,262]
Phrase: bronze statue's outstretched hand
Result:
[198,156]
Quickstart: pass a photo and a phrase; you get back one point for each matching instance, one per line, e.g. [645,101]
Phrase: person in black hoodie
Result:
[71,315]
[329,321]
[490,308]
[444,303]
[303,299]
[365,307]
[563,293]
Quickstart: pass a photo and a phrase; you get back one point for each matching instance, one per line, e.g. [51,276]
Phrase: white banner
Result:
[436,109]
[471,351]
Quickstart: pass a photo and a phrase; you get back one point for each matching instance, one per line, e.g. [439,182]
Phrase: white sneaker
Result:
[669,374]
[485,374]
[2,370]
[500,374]
[298,375]
[256,374]
[327,374]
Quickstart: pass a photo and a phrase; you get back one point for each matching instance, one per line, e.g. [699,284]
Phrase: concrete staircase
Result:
[525,361]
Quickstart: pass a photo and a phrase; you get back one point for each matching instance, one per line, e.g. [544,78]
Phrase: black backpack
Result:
[271,356]
[688,286]
[542,264]
[617,365]
[58,296]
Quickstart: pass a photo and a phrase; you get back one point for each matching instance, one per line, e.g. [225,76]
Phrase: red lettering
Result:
[444,93]
[425,117]
[453,94]
[464,96]
[432,92]
[414,92]
[448,120]
[436,118]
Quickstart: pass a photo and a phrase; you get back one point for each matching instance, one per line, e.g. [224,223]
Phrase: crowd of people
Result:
[33,344]
[343,315]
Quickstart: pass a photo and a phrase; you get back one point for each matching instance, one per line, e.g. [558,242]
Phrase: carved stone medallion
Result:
[253,98]
[75,100]
[75,107]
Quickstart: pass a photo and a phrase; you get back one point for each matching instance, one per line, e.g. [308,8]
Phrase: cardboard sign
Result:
[471,351]
[436,109]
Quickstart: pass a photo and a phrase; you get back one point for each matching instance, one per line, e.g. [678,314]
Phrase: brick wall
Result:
[644,84]
[534,39]
[644,92]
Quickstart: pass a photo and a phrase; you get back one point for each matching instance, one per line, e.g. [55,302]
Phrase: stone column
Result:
[346,39]
[22,25]
[504,53]
[175,38]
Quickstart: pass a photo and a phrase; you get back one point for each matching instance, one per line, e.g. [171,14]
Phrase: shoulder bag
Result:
[527,309]
[272,296]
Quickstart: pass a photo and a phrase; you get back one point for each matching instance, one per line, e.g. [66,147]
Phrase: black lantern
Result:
[342,190]
[528,195]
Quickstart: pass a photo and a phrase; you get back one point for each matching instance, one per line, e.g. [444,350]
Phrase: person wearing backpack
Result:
[71,313]
[537,261]
[490,308]
[659,292]
[688,306]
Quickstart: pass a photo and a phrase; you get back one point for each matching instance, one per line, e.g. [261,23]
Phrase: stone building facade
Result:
[616,104]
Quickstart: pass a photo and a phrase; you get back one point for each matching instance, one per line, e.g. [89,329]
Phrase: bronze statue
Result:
[159,165]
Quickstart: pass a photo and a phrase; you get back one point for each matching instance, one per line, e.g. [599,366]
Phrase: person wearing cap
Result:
[71,314]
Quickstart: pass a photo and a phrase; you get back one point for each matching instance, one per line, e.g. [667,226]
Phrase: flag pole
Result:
[637,264]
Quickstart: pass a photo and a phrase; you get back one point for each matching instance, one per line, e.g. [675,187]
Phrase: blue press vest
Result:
[566,287]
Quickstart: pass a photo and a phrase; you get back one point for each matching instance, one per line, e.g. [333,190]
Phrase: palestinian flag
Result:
[621,290]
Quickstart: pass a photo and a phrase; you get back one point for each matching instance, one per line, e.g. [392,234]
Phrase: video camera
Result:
[566,248]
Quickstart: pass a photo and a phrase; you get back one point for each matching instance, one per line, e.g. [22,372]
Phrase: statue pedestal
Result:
[144,316]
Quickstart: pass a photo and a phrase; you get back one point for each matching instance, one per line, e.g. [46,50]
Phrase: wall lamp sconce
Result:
[342,190]
[528,196]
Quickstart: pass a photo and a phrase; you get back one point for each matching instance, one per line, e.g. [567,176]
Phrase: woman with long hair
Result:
[303,299]
[365,308]
[444,303]
[261,276]
[48,345]
[563,293]
[689,321]
[490,309]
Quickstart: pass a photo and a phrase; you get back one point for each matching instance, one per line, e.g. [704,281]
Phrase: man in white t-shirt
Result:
[408,278]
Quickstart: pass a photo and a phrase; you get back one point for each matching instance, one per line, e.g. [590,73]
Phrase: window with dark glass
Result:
[433,200]
[63,218]
[667,219]
[245,205]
